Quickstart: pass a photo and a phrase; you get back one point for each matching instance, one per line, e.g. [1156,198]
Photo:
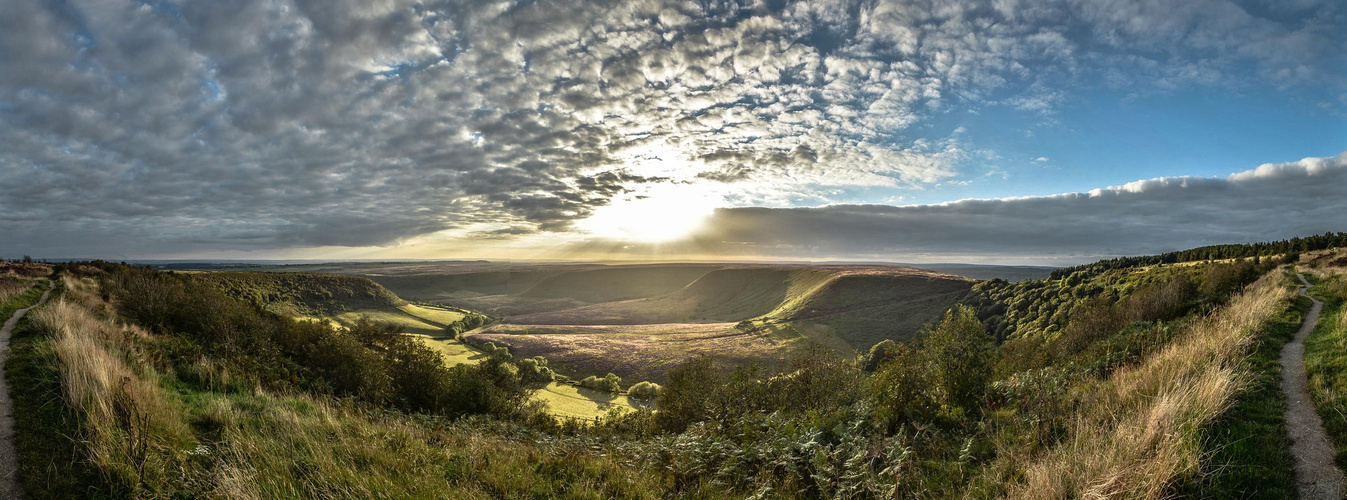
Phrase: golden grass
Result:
[263,445]
[126,412]
[1139,431]
[11,288]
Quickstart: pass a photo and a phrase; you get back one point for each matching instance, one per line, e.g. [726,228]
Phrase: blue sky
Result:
[592,129]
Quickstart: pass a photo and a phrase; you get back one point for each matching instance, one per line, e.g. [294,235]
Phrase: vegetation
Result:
[1288,250]
[300,294]
[1326,348]
[608,383]
[369,362]
[1125,383]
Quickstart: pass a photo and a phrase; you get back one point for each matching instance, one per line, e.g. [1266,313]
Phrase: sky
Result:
[1007,131]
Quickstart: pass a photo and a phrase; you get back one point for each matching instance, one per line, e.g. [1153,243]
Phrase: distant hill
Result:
[984,272]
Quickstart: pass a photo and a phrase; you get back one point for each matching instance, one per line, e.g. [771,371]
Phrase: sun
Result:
[660,214]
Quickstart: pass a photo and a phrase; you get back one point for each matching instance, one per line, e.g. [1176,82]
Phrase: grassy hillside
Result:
[1143,390]
[846,308]
[301,294]
[443,286]
[99,418]
[860,305]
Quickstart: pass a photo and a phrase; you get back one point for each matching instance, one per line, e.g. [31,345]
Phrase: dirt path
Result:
[9,465]
[1316,475]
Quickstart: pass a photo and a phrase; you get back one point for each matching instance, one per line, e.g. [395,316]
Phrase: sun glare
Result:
[658,216]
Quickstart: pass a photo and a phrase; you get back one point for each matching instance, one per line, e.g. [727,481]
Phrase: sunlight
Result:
[659,214]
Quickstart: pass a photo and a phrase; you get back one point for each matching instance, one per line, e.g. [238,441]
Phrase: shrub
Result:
[819,380]
[960,352]
[899,391]
[683,398]
[534,371]
[351,368]
[879,353]
[644,390]
[609,383]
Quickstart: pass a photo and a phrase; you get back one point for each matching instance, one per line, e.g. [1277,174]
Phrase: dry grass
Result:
[128,416]
[11,288]
[247,443]
[1139,431]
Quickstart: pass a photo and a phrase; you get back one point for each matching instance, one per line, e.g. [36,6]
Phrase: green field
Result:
[423,320]
[563,400]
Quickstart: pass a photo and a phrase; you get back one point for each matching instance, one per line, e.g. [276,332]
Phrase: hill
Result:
[301,294]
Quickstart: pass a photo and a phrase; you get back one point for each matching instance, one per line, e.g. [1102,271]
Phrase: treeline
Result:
[369,364]
[469,322]
[1214,252]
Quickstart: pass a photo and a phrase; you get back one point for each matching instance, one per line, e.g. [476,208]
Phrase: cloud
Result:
[158,127]
[1271,202]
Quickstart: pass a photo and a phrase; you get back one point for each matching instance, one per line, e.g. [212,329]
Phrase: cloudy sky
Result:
[1036,131]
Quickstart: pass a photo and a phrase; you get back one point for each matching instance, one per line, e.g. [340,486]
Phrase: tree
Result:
[879,353]
[960,352]
[683,399]
[899,390]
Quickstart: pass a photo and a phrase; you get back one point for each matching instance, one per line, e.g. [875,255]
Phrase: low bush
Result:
[609,383]
[644,390]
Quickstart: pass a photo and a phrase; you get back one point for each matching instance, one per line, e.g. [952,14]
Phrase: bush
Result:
[351,368]
[644,390]
[682,400]
[899,390]
[879,353]
[609,383]
[960,352]
[534,371]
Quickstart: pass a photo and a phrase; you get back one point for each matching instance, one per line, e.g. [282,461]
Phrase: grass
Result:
[53,461]
[1326,356]
[96,419]
[1249,446]
[1142,432]
[565,400]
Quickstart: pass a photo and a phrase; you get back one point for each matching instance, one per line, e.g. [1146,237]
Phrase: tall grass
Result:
[218,439]
[1139,431]
[1326,353]
[130,426]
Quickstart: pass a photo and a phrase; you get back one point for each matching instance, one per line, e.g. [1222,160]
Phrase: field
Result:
[1326,348]
[345,299]
[650,350]
[424,320]
[1153,381]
